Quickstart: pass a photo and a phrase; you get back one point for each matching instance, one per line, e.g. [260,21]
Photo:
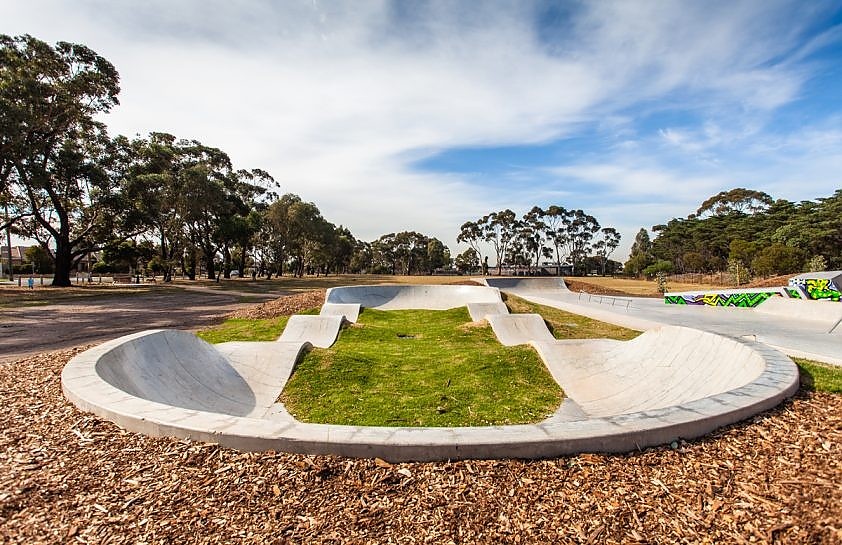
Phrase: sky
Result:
[419,115]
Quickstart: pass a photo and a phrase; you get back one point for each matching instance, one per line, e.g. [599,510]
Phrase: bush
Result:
[660,266]
[817,263]
[739,273]
[777,259]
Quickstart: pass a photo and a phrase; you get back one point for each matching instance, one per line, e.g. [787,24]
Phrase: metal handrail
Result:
[602,298]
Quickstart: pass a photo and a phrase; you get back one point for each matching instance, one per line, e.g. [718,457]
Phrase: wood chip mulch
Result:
[69,477]
[290,304]
[282,306]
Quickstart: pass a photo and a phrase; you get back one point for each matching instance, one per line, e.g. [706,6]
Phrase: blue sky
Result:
[422,115]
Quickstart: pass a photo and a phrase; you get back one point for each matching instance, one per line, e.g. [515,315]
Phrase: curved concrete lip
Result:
[171,383]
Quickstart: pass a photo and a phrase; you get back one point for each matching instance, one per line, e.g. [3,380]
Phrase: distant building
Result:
[18,255]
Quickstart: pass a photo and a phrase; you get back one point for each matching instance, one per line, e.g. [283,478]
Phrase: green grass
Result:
[566,325]
[421,368]
[819,377]
[242,329]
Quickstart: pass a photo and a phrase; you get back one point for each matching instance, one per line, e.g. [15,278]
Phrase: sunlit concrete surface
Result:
[669,383]
[806,329]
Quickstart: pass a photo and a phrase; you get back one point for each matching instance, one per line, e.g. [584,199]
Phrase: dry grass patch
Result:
[628,286]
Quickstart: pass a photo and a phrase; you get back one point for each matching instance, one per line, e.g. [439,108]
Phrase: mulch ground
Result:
[291,304]
[282,306]
[69,477]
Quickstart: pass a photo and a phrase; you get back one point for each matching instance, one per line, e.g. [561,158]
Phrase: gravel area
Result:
[35,329]
[68,477]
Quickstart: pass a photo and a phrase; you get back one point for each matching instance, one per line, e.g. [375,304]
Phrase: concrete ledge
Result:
[122,381]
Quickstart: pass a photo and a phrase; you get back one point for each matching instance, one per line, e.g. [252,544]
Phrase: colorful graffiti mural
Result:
[742,300]
[818,288]
[793,292]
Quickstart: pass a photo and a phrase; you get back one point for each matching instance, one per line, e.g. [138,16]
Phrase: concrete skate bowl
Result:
[555,283]
[667,384]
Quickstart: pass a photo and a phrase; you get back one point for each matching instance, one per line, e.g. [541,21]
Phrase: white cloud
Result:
[337,100]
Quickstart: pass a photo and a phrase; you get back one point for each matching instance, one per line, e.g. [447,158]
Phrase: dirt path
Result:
[35,329]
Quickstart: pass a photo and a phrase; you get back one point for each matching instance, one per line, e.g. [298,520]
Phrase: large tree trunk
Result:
[63,264]
[210,266]
[226,266]
[166,260]
[191,265]
[243,256]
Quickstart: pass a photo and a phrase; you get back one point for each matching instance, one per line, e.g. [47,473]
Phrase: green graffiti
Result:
[822,288]
[818,288]
[742,300]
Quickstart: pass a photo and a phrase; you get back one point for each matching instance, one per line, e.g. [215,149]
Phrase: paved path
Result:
[35,329]
[794,337]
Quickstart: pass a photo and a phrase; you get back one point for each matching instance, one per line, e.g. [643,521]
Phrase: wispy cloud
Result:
[339,100]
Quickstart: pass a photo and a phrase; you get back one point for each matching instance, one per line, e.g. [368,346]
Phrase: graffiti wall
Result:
[819,288]
[721,299]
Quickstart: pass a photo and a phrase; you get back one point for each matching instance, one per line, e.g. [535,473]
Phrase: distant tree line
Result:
[158,202]
[745,232]
[555,235]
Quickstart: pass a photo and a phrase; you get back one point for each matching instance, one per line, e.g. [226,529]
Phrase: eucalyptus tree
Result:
[438,255]
[342,249]
[641,253]
[467,261]
[276,233]
[361,258]
[532,231]
[608,242]
[471,234]
[740,200]
[384,258]
[308,234]
[294,231]
[555,220]
[580,229]
[498,229]
[56,157]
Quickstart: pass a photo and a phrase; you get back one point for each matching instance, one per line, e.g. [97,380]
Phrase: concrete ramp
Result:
[320,331]
[554,283]
[661,368]
[388,297]
[265,366]
[827,313]
[351,311]
[479,311]
[179,369]
[514,329]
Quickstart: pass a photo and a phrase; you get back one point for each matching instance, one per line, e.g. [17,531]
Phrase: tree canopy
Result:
[762,235]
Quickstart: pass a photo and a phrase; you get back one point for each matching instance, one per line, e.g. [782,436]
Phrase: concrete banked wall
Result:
[669,383]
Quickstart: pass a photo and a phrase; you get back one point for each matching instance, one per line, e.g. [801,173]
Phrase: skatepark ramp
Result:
[397,297]
[555,283]
[669,383]
[178,369]
[660,368]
